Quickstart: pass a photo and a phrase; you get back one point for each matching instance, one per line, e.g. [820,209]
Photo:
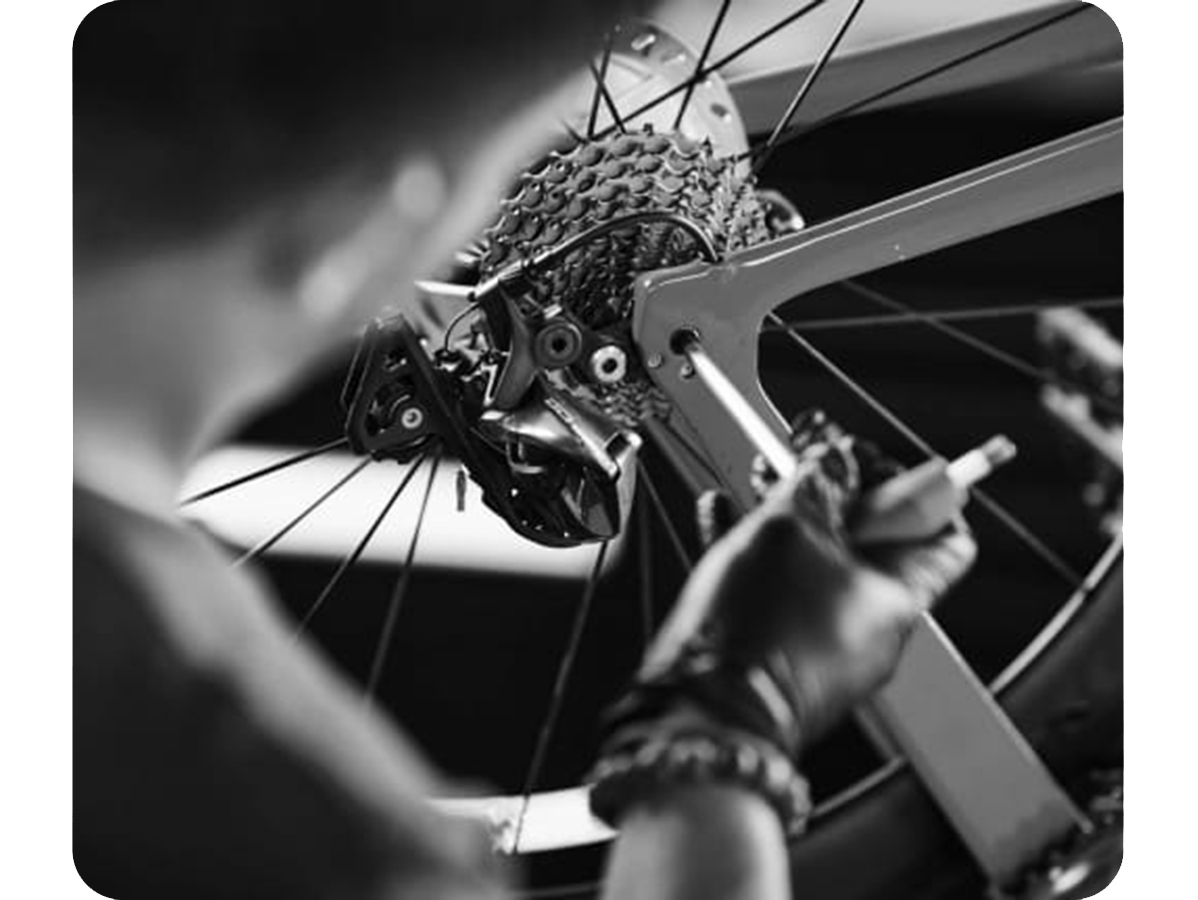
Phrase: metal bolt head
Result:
[609,364]
[558,344]
[412,418]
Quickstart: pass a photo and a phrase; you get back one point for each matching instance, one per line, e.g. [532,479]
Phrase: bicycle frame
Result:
[726,304]
[935,709]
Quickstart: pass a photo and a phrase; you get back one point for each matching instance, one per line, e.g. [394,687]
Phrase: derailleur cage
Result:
[552,472]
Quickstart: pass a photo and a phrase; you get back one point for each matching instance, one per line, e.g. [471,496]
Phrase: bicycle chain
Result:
[600,180]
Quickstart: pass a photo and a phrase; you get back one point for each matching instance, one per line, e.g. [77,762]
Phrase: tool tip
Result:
[999,450]
[981,461]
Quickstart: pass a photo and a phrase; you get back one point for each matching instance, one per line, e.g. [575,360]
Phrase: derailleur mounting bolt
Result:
[558,344]
[609,364]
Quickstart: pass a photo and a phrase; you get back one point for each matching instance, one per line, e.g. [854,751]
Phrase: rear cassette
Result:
[597,183]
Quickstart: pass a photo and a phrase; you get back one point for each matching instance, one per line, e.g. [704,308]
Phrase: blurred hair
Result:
[190,114]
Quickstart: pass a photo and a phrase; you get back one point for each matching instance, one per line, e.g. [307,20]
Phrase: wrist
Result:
[689,752]
[712,691]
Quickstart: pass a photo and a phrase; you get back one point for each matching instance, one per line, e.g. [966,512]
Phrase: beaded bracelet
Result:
[746,698]
[638,771]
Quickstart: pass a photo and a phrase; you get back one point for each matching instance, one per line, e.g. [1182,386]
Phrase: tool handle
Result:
[920,502]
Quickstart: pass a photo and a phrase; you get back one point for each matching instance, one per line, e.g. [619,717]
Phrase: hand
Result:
[784,597]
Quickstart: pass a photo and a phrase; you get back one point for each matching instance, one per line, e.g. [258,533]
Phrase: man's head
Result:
[241,165]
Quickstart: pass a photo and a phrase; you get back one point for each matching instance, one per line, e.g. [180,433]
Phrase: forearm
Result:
[216,756]
[699,842]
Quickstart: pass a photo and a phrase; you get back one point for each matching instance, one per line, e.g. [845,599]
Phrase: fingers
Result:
[804,493]
[808,495]
[815,436]
[874,465]
[805,516]
[929,569]
[854,466]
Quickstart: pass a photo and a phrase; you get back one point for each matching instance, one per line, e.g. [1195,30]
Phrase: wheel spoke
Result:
[1045,553]
[572,132]
[670,441]
[719,63]
[262,546]
[600,80]
[1040,376]
[268,470]
[664,515]
[983,312]
[805,88]
[1024,534]
[851,383]
[601,87]
[800,130]
[357,551]
[401,586]
[545,735]
[696,76]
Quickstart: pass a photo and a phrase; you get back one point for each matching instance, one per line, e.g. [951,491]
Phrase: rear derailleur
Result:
[560,474]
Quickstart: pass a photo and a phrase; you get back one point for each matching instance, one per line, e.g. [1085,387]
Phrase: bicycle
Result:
[721,281]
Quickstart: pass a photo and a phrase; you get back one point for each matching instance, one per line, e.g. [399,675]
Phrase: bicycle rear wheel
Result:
[1074,663]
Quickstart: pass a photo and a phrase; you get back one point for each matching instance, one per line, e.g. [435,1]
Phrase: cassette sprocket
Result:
[598,182]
